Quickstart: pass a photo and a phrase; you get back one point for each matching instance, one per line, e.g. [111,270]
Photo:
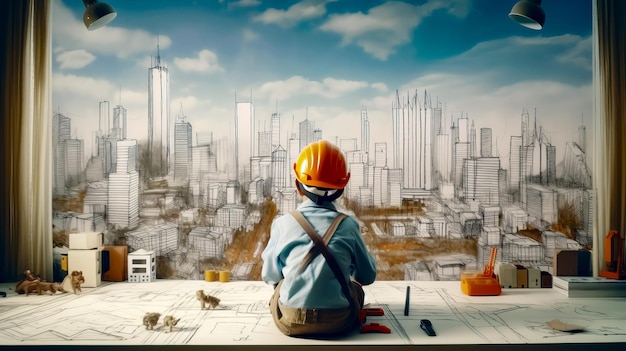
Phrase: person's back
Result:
[309,298]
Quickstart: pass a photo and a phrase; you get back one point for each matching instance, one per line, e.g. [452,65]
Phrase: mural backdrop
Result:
[177,125]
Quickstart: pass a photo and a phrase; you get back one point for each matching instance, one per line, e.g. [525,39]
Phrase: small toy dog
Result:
[204,299]
[73,282]
[170,321]
[150,319]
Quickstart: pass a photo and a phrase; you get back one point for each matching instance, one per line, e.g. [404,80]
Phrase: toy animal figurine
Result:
[170,321]
[29,279]
[204,299]
[73,282]
[29,287]
[51,287]
[31,276]
[77,279]
[40,287]
[150,319]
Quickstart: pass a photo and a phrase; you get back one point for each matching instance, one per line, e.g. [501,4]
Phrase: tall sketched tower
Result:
[412,140]
[244,139]
[158,118]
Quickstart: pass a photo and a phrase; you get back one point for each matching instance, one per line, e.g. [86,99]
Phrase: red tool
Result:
[488,270]
[375,328]
[374,311]
[613,256]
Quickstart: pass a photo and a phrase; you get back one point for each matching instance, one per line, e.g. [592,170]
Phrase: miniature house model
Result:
[141,266]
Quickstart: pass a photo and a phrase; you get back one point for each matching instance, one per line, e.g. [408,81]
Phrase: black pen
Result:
[406,302]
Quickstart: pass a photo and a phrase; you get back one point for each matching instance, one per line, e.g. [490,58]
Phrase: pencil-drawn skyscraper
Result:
[480,180]
[293,151]
[159,117]
[123,195]
[72,152]
[526,168]
[582,138]
[380,155]
[365,133]
[397,110]
[244,137]
[514,163]
[279,169]
[119,129]
[264,141]
[463,130]
[306,132]
[104,117]
[412,124]
[485,142]
[441,151]
[444,155]
[426,145]
[461,153]
[275,130]
[61,131]
[182,150]
[318,134]
[550,173]
[527,133]
[472,135]
[380,172]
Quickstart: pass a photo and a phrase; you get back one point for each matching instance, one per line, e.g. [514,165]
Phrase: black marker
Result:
[406,302]
[427,327]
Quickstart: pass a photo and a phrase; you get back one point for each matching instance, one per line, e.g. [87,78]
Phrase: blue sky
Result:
[327,59]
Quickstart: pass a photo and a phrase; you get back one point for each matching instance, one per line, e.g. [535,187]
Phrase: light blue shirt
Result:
[316,286]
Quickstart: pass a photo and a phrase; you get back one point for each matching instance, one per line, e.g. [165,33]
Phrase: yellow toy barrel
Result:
[224,276]
[210,276]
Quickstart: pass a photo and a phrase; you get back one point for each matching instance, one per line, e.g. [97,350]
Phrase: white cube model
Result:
[507,275]
[534,277]
[86,240]
[141,266]
[89,262]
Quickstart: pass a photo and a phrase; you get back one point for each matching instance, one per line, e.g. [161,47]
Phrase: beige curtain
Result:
[26,195]
[609,169]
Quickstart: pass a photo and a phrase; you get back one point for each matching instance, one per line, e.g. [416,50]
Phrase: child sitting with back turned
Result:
[308,297]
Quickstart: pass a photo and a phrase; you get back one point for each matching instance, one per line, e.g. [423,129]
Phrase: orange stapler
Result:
[485,283]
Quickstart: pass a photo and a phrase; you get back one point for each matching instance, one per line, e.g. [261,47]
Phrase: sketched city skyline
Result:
[487,149]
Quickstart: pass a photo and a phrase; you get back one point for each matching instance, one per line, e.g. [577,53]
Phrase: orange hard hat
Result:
[321,164]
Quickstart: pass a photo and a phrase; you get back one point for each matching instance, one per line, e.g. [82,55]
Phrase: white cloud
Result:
[206,62]
[184,105]
[249,35]
[386,26]
[85,87]
[562,58]
[579,55]
[296,86]
[70,33]
[77,90]
[296,13]
[243,3]
[78,97]
[74,59]
[380,86]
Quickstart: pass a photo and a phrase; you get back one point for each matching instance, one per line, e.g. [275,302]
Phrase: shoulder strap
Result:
[315,250]
[323,249]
